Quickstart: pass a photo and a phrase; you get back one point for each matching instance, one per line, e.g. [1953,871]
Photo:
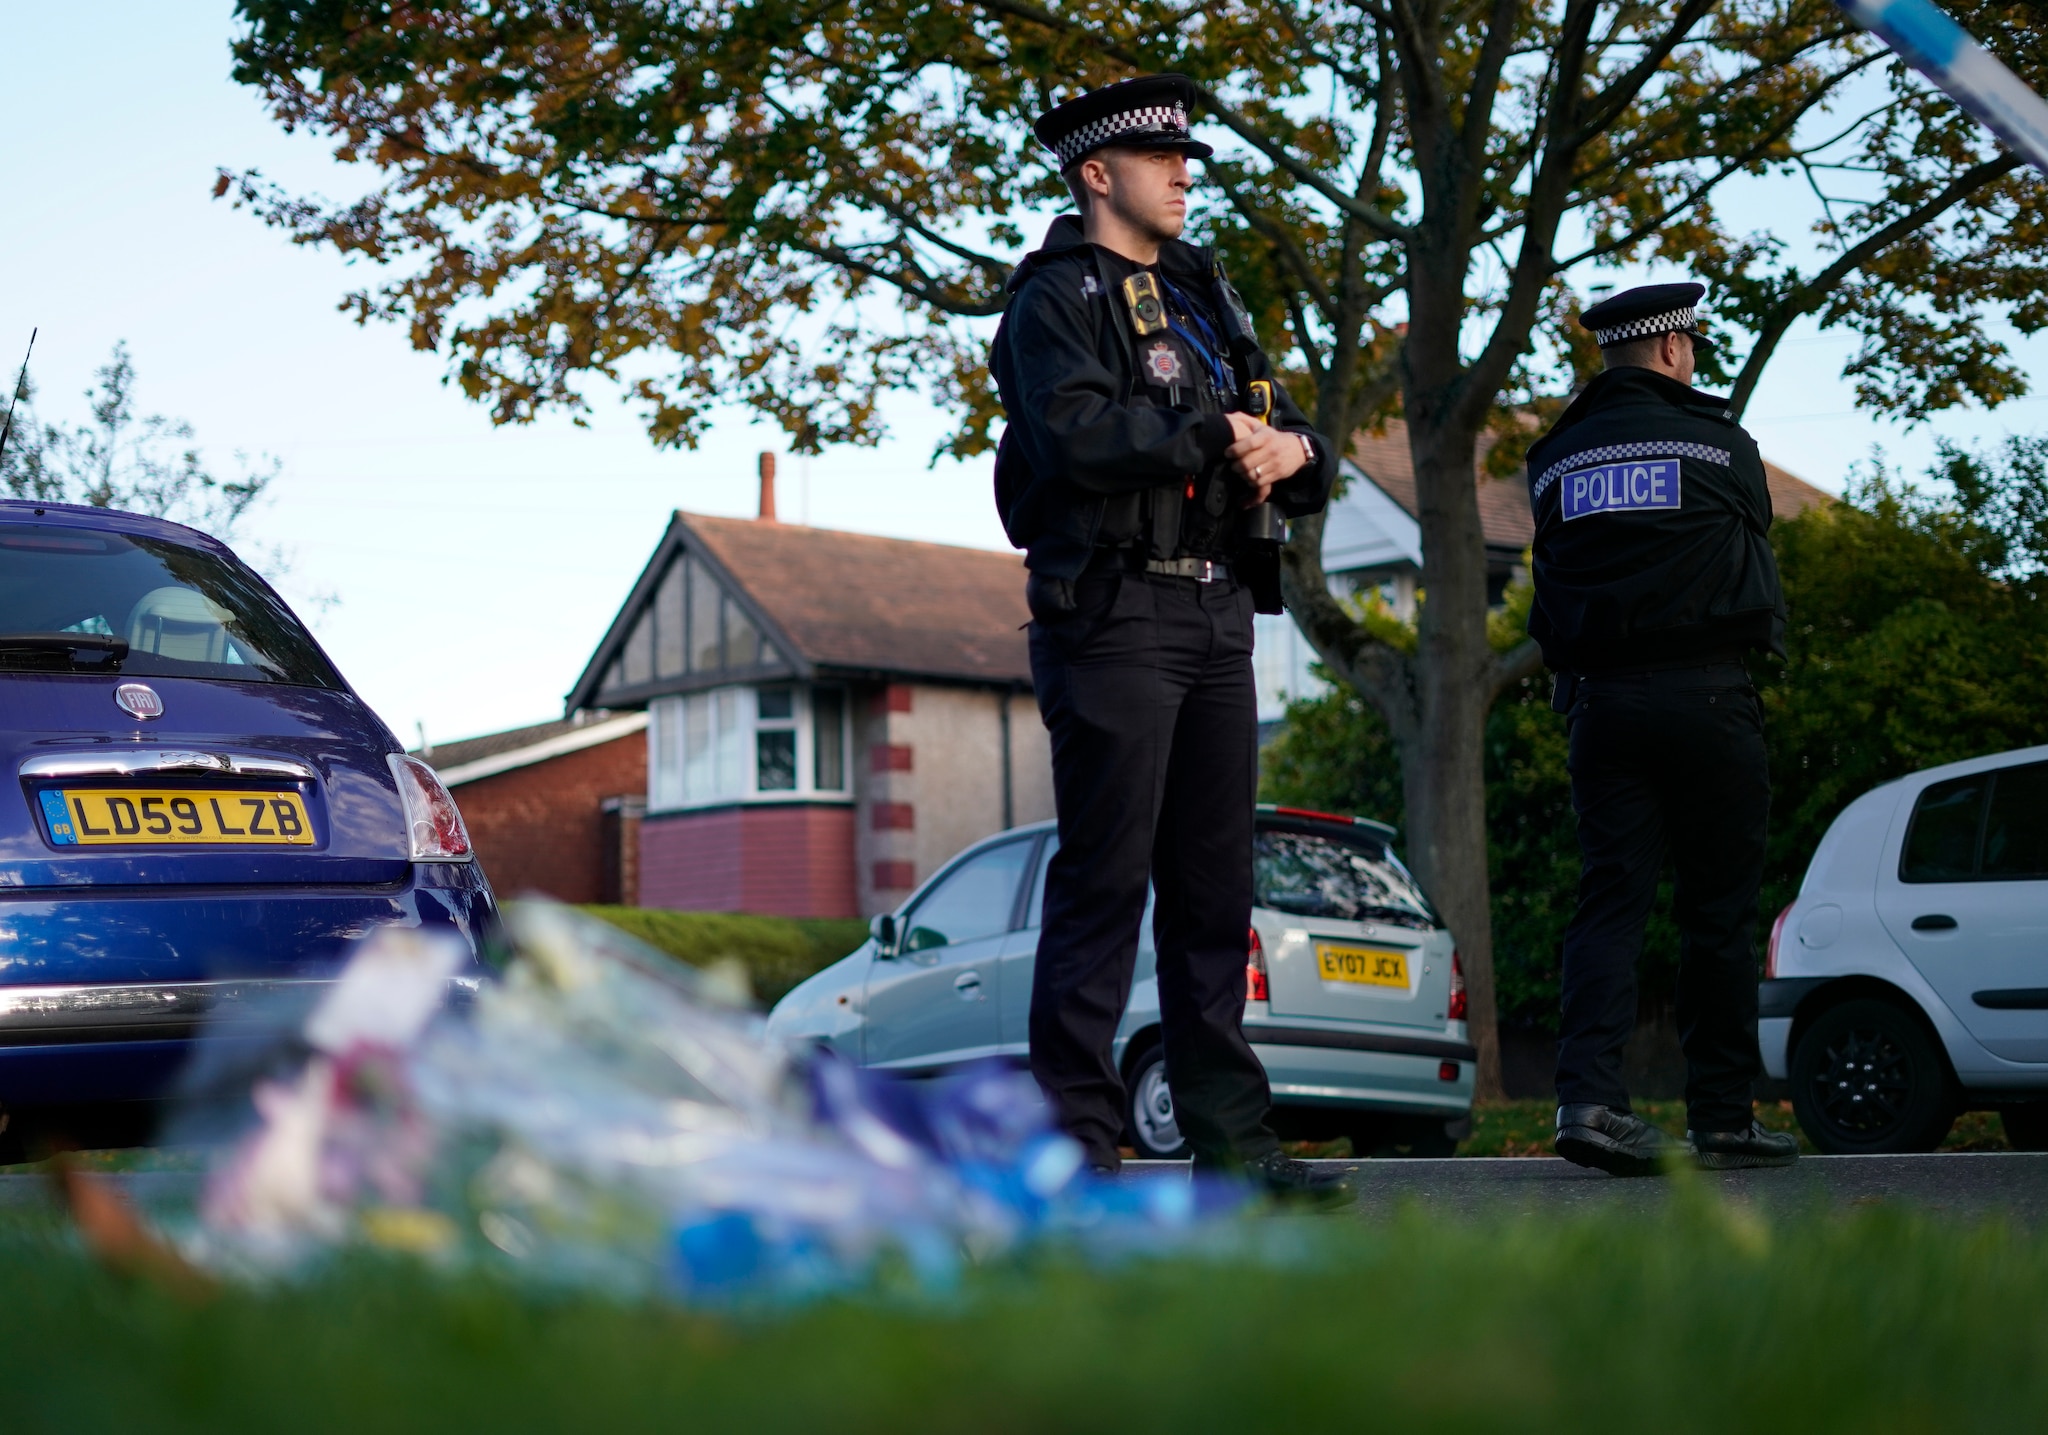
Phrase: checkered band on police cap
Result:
[1646,311]
[1677,321]
[1164,122]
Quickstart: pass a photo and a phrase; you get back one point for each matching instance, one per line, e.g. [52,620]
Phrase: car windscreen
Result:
[180,611]
[1350,878]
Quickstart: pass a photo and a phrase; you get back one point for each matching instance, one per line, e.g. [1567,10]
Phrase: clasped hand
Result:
[1262,456]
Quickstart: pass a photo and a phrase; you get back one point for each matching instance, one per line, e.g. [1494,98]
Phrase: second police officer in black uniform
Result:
[1131,472]
[1654,579]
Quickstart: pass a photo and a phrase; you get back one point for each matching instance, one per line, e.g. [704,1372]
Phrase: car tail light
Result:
[1447,1071]
[433,826]
[1771,951]
[1255,970]
[1456,1010]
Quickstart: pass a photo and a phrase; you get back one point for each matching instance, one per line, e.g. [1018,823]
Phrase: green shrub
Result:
[778,952]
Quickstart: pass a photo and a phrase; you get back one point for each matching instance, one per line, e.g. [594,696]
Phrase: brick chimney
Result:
[767,488]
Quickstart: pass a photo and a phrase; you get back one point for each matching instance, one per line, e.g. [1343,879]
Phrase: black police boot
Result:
[1742,1150]
[1617,1142]
[1286,1179]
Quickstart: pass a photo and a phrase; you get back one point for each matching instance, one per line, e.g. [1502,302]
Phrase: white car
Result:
[1909,981]
[1355,1001]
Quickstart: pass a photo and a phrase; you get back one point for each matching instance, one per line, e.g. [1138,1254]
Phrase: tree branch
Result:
[1524,660]
[1787,121]
[1814,292]
[1384,676]
[1224,114]
[921,289]
[1622,93]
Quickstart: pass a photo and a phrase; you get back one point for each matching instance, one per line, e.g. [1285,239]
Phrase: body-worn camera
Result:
[1146,303]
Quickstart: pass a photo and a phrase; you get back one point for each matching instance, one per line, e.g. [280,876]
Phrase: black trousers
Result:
[1147,689]
[1670,760]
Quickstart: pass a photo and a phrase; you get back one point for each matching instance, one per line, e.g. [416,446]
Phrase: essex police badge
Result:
[1163,363]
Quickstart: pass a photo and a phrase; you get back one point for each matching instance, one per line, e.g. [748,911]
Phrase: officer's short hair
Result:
[1632,353]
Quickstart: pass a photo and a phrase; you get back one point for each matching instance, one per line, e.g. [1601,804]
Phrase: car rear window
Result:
[1989,826]
[183,611]
[2016,826]
[1353,879]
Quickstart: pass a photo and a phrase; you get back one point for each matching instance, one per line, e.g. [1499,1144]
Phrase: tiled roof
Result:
[1792,495]
[446,755]
[1504,502]
[469,749]
[888,605]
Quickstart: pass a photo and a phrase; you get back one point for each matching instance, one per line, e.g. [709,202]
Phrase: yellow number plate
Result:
[95,817]
[1367,966]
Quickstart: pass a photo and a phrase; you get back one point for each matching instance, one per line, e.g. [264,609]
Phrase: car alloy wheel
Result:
[1155,1135]
[1866,1079]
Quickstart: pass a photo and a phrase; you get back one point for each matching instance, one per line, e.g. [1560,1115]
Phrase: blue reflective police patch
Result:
[1630,487]
[61,832]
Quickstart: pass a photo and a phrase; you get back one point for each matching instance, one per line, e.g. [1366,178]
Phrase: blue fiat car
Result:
[204,815]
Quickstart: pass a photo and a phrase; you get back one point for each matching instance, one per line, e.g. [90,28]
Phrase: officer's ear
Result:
[1077,188]
[1091,179]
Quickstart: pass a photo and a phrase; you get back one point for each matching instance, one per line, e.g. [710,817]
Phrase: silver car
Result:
[1355,1000]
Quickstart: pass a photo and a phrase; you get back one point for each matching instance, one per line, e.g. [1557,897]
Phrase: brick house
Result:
[829,716]
[551,808]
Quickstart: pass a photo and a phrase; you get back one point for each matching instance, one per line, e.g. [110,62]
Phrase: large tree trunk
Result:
[1442,759]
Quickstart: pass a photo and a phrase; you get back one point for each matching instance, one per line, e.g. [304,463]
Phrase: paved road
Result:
[1963,1183]
[1972,1183]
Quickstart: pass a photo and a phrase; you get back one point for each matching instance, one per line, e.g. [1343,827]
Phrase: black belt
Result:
[1131,560]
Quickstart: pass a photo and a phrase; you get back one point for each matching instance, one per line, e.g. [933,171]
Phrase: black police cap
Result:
[1645,312]
[1150,112]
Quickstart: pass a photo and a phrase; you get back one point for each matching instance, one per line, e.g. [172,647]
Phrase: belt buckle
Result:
[1208,573]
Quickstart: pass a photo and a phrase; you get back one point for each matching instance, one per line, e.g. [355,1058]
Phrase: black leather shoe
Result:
[1617,1142]
[1290,1180]
[1741,1150]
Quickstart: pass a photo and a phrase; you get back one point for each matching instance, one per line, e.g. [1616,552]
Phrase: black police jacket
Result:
[1105,436]
[1651,522]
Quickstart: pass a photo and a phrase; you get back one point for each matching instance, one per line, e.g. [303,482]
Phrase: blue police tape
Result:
[1939,48]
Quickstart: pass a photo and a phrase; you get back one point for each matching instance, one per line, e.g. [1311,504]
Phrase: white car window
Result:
[973,900]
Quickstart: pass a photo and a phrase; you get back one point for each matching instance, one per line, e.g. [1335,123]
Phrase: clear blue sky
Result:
[475,568]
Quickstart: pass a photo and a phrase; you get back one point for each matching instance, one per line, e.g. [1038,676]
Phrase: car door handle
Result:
[1934,922]
[968,984]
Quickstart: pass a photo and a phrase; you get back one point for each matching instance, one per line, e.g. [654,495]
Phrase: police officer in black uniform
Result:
[1142,480]
[1654,580]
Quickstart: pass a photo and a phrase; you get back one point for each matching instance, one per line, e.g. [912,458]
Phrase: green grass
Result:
[777,952]
[1709,1318]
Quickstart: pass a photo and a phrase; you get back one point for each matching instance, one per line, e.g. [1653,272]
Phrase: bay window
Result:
[777,741]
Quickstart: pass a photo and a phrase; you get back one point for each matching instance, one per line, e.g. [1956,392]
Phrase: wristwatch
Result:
[1308,449]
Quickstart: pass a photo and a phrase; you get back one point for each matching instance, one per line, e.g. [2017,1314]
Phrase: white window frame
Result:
[669,719]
